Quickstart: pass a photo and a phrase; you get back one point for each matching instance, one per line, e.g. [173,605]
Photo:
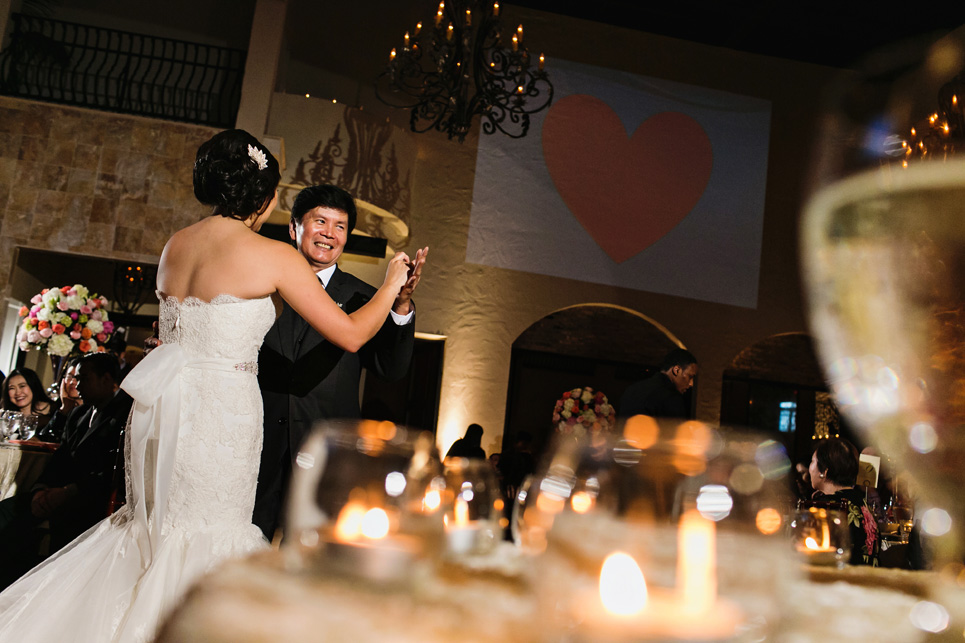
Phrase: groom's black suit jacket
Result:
[304,378]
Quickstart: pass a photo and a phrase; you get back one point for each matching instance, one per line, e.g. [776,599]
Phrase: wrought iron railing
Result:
[118,71]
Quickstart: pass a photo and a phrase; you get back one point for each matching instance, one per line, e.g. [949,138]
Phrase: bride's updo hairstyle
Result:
[236,174]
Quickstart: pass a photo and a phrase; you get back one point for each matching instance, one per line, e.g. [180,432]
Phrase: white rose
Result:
[53,293]
[76,301]
[43,314]
[587,396]
[82,292]
[60,345]
[568,403]
[95,326]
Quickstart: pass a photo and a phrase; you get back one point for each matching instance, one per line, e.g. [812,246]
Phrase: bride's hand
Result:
[398,272]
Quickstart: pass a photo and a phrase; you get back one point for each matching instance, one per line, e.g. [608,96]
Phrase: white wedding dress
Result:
[192,454]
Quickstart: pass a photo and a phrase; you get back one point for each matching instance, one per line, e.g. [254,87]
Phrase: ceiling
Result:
[836,33]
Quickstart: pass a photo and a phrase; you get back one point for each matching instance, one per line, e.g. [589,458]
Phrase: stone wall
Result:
[93,183]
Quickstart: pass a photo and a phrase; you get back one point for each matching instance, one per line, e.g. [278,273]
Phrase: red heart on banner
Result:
[626,192]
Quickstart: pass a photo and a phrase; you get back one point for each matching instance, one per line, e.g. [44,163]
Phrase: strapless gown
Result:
[192,454]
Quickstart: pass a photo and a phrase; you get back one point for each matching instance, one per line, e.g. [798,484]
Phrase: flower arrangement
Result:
[583,410]
[65,321]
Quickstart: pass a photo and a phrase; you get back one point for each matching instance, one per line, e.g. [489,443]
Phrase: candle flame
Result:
[697,562]
[349,523]
[432,500]
[581,502]
[623,589]
[375,523]
[461,512]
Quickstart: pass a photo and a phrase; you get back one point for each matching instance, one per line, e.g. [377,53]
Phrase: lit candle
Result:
[697,562]
[406,38]
[392,55]
[625,609]
[495,10]
[449,32]
[364,543]
[515,43]
[542,61]
[461,532]
[418,28]
[468,17]
[519,32]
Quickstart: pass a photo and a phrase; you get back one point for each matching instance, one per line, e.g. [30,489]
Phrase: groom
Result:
[303,377]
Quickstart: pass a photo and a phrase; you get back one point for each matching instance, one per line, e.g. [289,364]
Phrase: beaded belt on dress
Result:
[248,367]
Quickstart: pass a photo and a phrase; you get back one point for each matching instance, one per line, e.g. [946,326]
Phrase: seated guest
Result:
[69,400]
[469,445]
[23,392]
[833,470]
[76,487]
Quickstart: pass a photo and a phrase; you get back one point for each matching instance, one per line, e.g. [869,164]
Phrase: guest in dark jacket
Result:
[662,394]
[469,445]
[834,469]
[75,489]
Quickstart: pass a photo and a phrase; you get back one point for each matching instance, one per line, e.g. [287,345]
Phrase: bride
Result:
[194,438]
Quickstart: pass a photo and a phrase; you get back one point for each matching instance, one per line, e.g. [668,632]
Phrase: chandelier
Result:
[942,133]
[460,68]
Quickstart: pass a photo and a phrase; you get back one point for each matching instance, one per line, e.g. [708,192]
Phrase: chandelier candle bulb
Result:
[515,43]
[542,61]
[449,32]
[391,58]
[418,28]
[406,39]
[439,17]
[468,18]
[519,32]
[495,10]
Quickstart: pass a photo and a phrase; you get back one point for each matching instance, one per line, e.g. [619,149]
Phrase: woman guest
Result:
[833,470]
[23,392]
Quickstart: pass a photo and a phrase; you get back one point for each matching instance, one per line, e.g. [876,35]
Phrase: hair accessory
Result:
[258,157]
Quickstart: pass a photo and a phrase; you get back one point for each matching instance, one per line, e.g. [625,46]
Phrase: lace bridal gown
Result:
[192,455]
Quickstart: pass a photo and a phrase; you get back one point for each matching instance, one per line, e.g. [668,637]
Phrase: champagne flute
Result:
[883,237]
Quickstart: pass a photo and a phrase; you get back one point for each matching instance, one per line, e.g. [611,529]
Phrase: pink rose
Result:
[33,313]
[73,316]
[33,336]
[96,315]
[108,327]
[85,310]
[36,299]
[75,334]
[62,305]
[46,333]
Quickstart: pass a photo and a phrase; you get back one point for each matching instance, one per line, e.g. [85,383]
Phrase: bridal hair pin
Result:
[258,157]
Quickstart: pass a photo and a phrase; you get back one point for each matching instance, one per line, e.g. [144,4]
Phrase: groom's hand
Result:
[403,303]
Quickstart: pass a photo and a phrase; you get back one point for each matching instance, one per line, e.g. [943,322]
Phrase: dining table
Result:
[21,464]
[258,599]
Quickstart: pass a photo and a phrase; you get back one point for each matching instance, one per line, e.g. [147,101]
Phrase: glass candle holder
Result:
[366,502]
[473,507]
[821,536]
[682,541]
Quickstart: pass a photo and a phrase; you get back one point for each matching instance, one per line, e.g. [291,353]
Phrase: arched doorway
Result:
[599,345]
[777,386]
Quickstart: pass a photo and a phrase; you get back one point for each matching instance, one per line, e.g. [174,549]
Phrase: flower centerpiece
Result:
[583,410]
[65,321]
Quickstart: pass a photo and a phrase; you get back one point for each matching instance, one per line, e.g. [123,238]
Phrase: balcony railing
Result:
[117,71]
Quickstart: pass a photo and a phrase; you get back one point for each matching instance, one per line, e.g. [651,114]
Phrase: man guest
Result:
[305,378]
[662,394]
